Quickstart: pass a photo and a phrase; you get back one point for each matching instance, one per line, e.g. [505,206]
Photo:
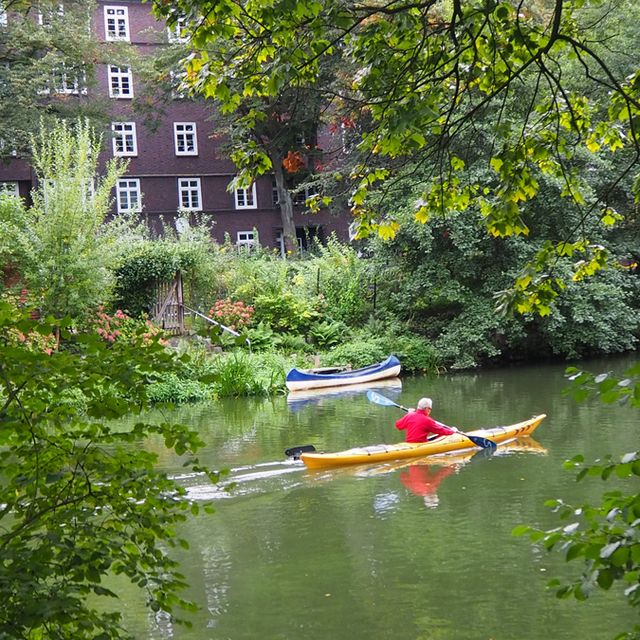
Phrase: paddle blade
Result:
[485,443]
[295,452]
[376,398]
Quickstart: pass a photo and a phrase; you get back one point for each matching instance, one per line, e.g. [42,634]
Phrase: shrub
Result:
[235,315]
[469,339]
[284,311]
[27,337]
[175,389]
[83,500]
[593,319]
[416,354]
[327,334]
[292,343]
[357,353]
[148,262]
[339,276]
[261,336]
[122,327]
[242,374]
[73,245]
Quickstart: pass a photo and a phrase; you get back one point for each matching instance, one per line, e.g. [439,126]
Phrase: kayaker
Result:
[419,424]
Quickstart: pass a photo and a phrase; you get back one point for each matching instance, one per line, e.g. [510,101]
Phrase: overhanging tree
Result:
[605,537]
[423,73]
[80,501]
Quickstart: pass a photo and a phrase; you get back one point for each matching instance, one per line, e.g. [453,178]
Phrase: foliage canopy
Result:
[417,78]
[81,501]
[41,76]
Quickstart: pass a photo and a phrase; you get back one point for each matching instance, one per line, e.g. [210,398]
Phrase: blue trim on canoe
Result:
[297,375]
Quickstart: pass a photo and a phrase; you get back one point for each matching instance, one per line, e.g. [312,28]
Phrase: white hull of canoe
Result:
[387,385]
[299,385]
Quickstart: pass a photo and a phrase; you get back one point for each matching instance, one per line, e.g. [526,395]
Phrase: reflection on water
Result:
[353,553]
[297,400]
[424,481]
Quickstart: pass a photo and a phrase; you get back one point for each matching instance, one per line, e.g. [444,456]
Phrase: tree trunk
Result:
[286,209]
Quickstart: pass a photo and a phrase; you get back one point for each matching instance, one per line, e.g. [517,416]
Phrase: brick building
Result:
[177,165]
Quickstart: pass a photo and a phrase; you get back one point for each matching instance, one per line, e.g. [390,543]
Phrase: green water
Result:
[417,552]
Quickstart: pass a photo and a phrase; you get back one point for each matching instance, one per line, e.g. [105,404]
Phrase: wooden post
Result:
[180,302]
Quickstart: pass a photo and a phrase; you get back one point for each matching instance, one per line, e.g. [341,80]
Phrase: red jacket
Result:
[419,425]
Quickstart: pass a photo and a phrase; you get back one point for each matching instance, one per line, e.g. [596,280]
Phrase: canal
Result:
[419,551]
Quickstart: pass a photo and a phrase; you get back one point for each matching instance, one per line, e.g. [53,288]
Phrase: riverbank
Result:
[207,373]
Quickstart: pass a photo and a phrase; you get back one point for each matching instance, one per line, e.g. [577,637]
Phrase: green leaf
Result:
[605,579]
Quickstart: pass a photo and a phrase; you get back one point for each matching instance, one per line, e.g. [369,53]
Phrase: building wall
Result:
[158,167]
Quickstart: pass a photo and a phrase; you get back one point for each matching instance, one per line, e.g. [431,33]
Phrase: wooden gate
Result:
[168,311]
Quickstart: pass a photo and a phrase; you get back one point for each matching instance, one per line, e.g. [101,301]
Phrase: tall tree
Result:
[68,247]
[47,55]
[283,140]
[423,73]
[275,132]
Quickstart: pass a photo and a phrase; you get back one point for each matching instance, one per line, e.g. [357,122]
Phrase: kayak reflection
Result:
[424,476]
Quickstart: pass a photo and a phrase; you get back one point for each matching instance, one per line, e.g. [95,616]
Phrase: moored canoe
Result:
[404,450]
[298,379]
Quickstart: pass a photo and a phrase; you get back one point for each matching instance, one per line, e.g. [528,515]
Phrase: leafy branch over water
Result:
[606,537]
[80,500]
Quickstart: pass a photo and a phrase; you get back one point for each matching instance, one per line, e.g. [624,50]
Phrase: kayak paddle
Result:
[385,402]
[294,452]
[376,398]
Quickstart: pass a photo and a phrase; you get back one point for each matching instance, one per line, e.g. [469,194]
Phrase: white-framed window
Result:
[189,194]
[186,139]
[275,196]
[9,188]
[125,142]
[120,82]
[300,197]
[116,23]
[175,33]
[72,81]
[66,80]
[128,195]
[246,198]
[246,240]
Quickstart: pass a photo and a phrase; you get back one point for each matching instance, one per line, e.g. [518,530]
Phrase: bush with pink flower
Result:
[234,314]
[121,326]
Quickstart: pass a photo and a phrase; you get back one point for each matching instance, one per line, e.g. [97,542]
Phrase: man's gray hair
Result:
[424,403]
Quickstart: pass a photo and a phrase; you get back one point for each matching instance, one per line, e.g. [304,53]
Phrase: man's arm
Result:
[441,429]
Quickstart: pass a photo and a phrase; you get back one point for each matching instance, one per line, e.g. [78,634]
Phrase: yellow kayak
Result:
[403,450]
